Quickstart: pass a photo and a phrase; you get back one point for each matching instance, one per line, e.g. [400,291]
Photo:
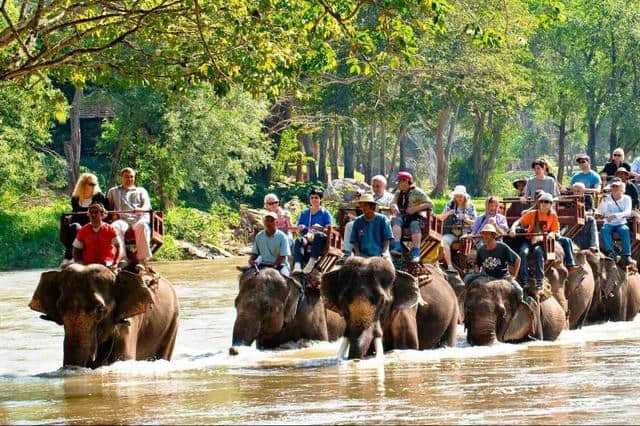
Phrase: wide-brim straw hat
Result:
[489,228]
[365,198]
[517,181]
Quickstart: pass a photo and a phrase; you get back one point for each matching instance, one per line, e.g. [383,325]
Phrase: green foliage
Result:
[170,250]
[25,118]
[288,153]
[189,142]
[29,236]
[196,226]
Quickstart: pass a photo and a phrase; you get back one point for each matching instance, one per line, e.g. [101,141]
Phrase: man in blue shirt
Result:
[371,233]
[271,247]
[311,226]
[587,176]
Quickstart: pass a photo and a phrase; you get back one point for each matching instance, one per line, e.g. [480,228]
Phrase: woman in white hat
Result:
[458,215]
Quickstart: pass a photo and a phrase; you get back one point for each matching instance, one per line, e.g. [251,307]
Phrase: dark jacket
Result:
[76,207]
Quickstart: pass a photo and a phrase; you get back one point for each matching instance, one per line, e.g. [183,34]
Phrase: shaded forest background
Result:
[217,102]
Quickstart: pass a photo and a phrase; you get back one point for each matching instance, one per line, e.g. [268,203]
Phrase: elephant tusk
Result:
[379,349]
[344,347]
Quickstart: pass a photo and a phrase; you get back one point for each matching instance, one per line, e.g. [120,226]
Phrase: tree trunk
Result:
[383,147]
[299,161]
[305,141]
[441,159]
[591,141]
[322,156]
[402,136]
[613,135]
[477,158]
[394,154]
[72,148]
[368,170]
[562,133]
[348,150]
[450,140]
[115,163]
[333,152]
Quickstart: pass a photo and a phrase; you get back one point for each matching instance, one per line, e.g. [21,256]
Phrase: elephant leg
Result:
[403,329]
[166,347]
[451,334]
[314,325]
[125,342]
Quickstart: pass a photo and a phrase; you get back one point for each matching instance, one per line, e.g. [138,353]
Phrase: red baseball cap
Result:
[405,176]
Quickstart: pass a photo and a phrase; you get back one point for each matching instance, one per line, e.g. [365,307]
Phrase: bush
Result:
[195,226]
[29,238]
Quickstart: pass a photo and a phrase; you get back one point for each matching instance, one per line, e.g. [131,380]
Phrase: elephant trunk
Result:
[80,348]
[481,331]
[245,331]
[360,340]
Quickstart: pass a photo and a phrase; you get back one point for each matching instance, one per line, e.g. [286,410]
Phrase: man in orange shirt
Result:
[542,219]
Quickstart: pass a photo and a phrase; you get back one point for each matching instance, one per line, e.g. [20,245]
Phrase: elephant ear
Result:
[46,296]
[521,325]
[406,291]
[133,297]
[331,288]
[287,291]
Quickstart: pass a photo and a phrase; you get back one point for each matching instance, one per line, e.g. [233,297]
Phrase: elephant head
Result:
[493,312]
[266,302]
[366,292]
[90,302]
[612,277]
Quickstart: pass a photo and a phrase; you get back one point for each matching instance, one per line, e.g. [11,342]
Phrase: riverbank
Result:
[29,232]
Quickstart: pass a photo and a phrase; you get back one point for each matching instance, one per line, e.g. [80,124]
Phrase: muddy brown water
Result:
[590,375]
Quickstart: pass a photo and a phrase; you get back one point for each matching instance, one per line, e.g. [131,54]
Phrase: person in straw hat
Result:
[496,261]
[371,233]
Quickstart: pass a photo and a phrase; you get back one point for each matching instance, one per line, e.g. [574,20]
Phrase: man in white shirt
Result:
[128,197]
[380,194]
[616,208]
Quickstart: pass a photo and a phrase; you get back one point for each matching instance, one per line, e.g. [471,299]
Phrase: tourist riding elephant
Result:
[378,303]
[493,312]
[109,318]
[617,293]
[271,311]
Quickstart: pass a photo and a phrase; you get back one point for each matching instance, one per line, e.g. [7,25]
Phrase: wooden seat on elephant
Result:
[332,251]
[431,229]
[510,200]
[571,214]
[634,233]
[156,225]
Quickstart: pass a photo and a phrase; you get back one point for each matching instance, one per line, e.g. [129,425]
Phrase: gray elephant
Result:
[381,305]
[108,318]
[493,312]
[616,295]
[272,311]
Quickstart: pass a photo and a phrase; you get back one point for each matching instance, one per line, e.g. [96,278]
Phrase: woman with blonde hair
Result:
[86,192]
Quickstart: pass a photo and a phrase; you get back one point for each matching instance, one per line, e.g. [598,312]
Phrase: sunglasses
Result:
[545,202]
[269,203]
[617,155]
[92,184]
[582,161]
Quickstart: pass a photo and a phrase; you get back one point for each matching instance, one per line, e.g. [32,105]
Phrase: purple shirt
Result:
[501,222]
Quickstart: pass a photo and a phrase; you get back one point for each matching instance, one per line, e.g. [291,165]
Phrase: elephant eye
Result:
[100,310]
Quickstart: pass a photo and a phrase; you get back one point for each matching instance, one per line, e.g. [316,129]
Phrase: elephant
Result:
[493,312]
[271,311]
[109,317]
[574,291]
[617,292]
[389,308]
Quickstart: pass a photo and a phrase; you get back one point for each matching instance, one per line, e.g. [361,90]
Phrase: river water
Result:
[590,375]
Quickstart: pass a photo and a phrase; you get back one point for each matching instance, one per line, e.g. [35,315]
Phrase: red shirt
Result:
[97,247]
